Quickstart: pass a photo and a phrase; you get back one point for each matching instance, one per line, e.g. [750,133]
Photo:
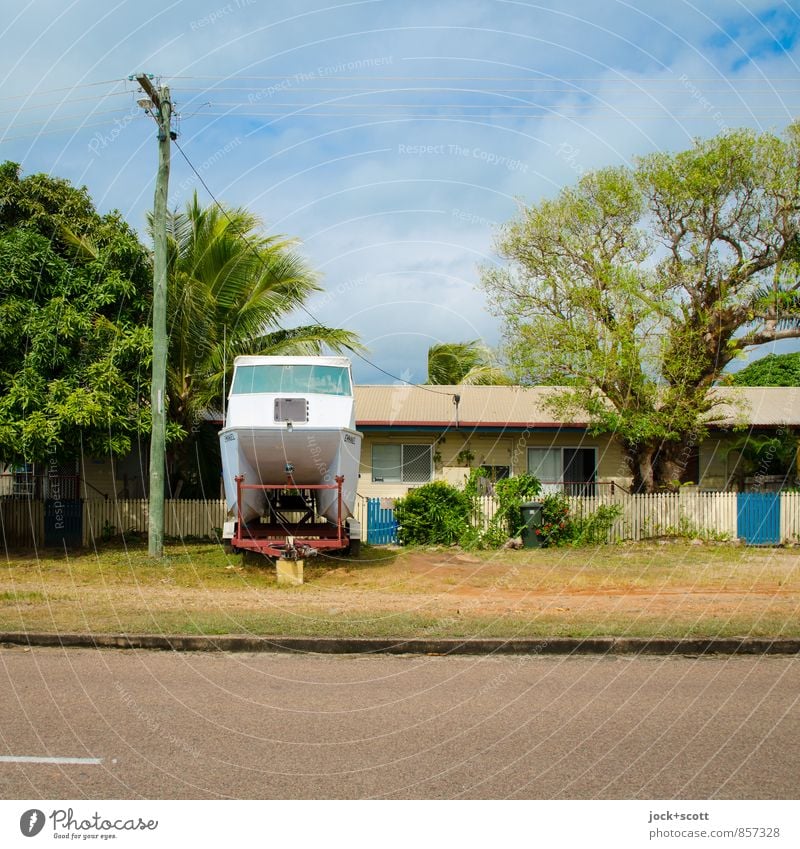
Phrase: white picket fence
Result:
[710,514]
[684,513]
[182,518]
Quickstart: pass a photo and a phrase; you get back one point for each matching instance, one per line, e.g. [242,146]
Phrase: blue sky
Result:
[392,138]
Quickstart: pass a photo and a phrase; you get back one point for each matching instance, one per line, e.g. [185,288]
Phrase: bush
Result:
[559,527]
[435,514]
[593,529]
[512,493]
[506,522]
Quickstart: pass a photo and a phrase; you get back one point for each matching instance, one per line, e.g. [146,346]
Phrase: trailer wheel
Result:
[354,549]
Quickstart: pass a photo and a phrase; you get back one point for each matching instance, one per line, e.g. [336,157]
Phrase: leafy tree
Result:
[230,288]
[467,363]
[772,370]
[74,301]
[636,287]
[760,455]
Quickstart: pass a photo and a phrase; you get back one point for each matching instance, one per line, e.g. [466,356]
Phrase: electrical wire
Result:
[300,85]
[589,113]
[549,79]
[359,105]
[302,306]
[58,103]
[56,90]
[72,117]
[53,132]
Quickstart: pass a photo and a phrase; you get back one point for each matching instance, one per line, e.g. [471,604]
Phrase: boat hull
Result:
[312,455]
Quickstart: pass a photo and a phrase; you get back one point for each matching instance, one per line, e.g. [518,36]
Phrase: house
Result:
[415,434]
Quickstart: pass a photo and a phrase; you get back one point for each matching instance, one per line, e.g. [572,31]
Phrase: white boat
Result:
[291,417]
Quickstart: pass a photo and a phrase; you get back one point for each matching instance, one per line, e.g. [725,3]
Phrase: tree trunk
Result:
[640,462]
[671,465]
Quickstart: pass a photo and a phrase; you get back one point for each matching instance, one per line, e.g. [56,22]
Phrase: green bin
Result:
[531,520]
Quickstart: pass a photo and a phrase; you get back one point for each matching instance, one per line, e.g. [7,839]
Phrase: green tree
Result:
[230,288]
[636,287]
[467,363]
[74,342]
[772,370]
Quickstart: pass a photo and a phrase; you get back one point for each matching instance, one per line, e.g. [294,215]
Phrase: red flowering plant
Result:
[557,526]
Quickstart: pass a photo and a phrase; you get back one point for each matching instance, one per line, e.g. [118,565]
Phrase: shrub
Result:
[511,493]
[559,527]
[435,514]
[593,529]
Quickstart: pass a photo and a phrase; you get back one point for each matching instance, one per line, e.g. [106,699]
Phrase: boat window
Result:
[313,380]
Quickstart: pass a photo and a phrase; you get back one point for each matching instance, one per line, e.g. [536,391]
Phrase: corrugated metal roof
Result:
[768,406]
[517,406]
[479,405]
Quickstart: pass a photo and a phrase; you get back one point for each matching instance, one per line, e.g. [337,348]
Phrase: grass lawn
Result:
[666,590]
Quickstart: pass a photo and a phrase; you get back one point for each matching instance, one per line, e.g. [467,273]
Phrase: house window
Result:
[495,473]
[569,470]
[402,463]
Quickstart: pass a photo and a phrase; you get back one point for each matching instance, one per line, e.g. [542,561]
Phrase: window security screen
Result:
[401,463]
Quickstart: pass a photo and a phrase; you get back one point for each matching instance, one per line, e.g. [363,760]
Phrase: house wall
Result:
[115,477]
[714,465]
[98,477]
[487,450]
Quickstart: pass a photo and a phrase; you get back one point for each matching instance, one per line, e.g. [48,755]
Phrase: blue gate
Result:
[758,517]
[381,524]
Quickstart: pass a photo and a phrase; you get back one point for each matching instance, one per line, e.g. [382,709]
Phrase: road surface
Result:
[128,724]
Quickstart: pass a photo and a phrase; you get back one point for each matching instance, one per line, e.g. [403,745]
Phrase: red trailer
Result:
[291,528]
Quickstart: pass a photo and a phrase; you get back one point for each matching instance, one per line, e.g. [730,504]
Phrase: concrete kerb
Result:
[450,646]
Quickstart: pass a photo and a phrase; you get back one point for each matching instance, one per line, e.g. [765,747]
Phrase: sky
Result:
[391,137]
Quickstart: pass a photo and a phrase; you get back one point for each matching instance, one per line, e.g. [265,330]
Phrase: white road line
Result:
[31,759]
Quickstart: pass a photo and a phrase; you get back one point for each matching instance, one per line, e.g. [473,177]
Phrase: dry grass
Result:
[638,590]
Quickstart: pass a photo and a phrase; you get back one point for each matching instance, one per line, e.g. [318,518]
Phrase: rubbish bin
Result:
[531,520]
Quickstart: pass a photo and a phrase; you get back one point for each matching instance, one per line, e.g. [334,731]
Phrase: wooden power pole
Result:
[162,112]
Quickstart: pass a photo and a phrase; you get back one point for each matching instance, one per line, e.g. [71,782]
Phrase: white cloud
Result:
[397,212]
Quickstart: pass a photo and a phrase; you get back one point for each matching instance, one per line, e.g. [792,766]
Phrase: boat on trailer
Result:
[291,455]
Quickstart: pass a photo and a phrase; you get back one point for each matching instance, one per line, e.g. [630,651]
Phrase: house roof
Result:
[765,406]
[479,406]
[526,407]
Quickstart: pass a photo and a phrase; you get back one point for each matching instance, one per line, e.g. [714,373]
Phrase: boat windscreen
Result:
[316,380]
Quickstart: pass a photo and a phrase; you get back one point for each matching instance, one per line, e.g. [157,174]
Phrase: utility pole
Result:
[161,110]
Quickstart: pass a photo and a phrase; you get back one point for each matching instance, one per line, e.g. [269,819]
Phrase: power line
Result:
[677,89]
[549,79]
[339,105]
[302,306]
[496,117]
[71,117]
[56,90]
[52,132]
[94,97]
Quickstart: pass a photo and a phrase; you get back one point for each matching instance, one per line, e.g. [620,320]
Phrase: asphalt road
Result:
[197,725]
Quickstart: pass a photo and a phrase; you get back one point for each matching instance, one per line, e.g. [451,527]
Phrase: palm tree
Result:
[469,363]
[229,289]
